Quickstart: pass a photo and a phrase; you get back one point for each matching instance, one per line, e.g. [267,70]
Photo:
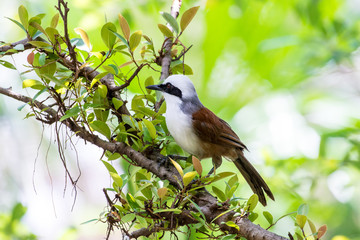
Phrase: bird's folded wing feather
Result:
[210,128]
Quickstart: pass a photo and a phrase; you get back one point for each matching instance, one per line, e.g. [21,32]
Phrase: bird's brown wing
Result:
[223,141]
[212,129]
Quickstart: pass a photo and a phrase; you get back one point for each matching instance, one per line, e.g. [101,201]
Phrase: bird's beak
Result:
[155,87]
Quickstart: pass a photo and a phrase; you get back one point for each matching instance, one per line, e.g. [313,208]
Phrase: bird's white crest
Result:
[183,83]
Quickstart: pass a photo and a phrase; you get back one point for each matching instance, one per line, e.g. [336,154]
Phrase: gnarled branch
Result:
[209,205]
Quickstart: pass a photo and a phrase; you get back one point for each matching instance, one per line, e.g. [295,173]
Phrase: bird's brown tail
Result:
[253,178]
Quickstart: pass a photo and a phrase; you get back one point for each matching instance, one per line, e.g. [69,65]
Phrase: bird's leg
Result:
[217,160]
[210,172]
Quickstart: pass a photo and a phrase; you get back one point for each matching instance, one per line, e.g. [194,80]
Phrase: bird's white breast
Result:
[180,126]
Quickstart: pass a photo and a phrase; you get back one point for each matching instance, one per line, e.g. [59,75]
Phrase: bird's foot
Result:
[163,161]
[211,172]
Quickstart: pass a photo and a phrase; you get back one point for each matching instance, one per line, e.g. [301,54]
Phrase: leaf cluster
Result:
[88,89]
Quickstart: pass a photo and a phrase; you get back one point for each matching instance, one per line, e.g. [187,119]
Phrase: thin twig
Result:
[64,15]
[127,82]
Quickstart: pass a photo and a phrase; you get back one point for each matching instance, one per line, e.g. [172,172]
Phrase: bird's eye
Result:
[168,86]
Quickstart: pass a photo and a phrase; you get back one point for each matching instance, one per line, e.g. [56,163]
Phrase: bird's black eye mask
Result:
[171,89]
[168,88]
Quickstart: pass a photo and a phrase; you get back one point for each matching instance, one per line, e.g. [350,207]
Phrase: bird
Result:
[198,131]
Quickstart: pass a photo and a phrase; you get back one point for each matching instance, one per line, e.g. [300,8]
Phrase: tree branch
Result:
[24,42]
[166,60]
[149,160]
[119,147]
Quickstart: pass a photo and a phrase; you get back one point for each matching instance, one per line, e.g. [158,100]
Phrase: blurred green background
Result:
[284,74]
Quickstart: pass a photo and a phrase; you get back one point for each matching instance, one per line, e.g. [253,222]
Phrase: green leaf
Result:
[268,217]
[231,191]
[301,220]
[89,221]
[71,113]
[49,70]
[17,23]
[146,191]
[299,236]
[150,127]
[165,30]
[162,109]
[102,128]
[52,34]
[182,69]
[24,16]
[121,38]
[128,120]
[54,20]
[132,202]
[142,221]
[198,208]
[39,93]
[174,210]
[53,79]
[233,180]
[97,78]
[42,59]
[40,44]
[117,103]
[100,98]
[178,167]
[187,16]
[117,179]
[137,102]
[252,202]
[303,209]
[188,177]
[128,218]
[7,64]
[124,26]
[18,212]
[253,216]
[229,237]
[232,224]
[135,39]
[33,32]
[171,20]
[107,34]
[149,81]
[109,69]
[112,156]
[109,167]
[38,27]
[140,176]
[312,226]
[220,194]
[222,175]
[21,107]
